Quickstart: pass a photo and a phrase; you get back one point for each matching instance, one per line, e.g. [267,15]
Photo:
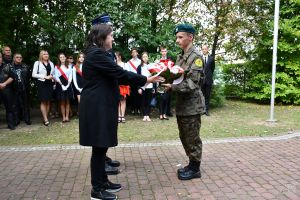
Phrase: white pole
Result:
[275,41]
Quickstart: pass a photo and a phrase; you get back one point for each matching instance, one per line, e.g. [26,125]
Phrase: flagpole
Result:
[275,41]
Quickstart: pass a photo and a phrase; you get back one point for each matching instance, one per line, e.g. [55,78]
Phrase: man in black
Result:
[209,67]
[7,95]
[21,75]
[7,56]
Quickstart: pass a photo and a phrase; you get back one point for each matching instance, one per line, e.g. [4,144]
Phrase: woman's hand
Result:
[140,91]
[155,79]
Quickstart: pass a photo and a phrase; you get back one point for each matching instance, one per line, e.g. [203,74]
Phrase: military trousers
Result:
[189,133]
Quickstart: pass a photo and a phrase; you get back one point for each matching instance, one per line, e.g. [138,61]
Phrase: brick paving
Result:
[259,169]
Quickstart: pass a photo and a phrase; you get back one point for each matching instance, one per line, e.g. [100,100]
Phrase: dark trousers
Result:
[8,98]
[146,99]
[23,106]
[206,90]
[169,113]
[163,103]
[98,175]
[135,99]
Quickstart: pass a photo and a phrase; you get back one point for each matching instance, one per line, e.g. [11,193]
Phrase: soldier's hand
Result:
[168,86]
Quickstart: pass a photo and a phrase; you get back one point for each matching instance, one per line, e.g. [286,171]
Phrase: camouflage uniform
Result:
[190,103]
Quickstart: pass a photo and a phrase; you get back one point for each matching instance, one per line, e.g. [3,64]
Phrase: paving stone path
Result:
[248,168]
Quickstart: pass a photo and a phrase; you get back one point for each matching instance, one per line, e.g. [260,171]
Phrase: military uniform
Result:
[190,106]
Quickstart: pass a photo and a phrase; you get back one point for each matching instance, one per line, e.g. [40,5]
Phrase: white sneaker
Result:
[148,119]
[145,118]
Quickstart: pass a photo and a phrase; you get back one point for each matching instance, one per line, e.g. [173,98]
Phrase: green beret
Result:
[184,28]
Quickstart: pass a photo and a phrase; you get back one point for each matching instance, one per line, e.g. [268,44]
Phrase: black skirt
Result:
[64,95]
[45,90]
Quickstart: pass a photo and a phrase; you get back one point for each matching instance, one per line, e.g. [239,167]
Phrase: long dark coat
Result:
[98,118]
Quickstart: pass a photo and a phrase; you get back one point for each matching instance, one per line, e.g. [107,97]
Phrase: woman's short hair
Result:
[97,35]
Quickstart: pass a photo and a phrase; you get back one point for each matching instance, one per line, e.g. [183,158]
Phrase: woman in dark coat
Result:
[98,118]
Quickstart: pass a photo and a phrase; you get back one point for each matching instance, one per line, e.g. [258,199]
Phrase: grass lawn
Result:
[235,119]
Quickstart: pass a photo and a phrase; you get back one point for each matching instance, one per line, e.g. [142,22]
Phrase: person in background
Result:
[7,95]
[21,75]
[166,97]
[209,67]
[63,76]
[77,75]
[7,55]
[147,90]
[73,101]
[135,98]
[43,71]
[124,90]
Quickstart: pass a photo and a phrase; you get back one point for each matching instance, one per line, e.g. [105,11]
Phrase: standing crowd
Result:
[57,85]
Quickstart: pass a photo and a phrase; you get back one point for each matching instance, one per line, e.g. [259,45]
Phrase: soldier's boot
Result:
[181,170]
[193,171]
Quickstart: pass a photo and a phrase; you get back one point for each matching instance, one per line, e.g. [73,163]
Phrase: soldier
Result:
[190,101]
[21,75]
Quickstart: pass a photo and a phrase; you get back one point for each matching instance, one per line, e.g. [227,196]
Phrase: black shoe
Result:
[113,163]
[102,194]
[189,174]
[12,127]
[181,170]
[111,170]
[28,122]
[112,187]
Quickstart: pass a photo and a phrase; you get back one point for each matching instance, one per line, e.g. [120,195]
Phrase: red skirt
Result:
[124,90]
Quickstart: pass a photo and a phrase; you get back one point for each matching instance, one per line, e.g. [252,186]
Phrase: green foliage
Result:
[257,79]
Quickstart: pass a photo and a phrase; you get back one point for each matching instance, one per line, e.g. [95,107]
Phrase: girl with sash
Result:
[43,71]
[124,89]
[77,75]
[63,76]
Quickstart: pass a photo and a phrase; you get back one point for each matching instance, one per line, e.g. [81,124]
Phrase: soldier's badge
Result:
[198,62]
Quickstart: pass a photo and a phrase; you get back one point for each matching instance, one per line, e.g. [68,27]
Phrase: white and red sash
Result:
[132,65]
[78,70]
[62,73]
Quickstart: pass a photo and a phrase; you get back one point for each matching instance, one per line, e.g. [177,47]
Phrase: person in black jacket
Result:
[21,75]
[7,94]
[98,117]
[209,67]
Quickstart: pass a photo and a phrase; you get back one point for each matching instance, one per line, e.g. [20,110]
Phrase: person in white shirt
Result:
[43,71]
[147,90]
[63,76]
[77,75]
[124,89]
[135,98]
